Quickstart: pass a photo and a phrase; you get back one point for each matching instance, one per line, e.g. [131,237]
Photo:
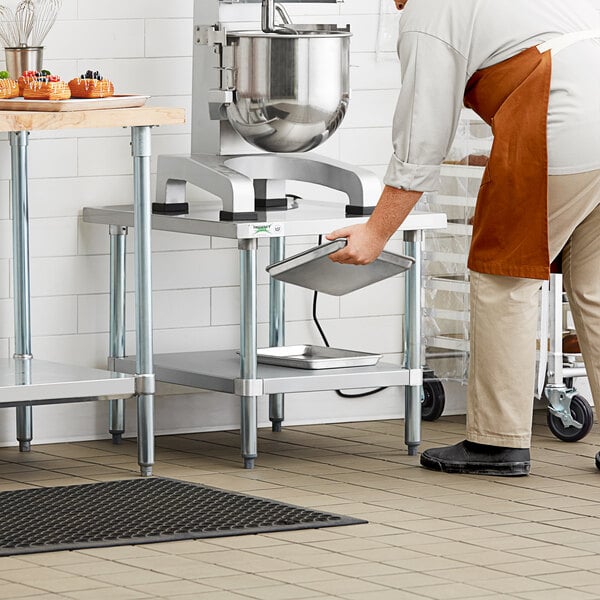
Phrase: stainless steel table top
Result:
[310,217]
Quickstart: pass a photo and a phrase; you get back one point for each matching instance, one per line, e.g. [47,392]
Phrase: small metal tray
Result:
[312,269]
[315,357]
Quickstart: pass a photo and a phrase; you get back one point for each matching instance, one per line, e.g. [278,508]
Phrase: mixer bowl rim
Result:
[295,31]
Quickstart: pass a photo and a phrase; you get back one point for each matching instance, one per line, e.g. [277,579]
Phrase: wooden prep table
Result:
[25,381]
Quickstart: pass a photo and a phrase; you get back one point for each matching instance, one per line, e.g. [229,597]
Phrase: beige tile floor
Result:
[430,535]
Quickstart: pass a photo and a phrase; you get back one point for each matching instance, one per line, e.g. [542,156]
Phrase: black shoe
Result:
[598,460]
[479,459]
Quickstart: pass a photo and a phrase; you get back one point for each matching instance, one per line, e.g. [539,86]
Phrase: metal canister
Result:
[23,58]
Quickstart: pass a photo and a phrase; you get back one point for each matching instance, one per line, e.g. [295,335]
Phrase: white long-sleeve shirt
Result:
[443,42]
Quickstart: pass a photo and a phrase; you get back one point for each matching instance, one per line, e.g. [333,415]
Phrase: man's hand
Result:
[363,246]
[366,241]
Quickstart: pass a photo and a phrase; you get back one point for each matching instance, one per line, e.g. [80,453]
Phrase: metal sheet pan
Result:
[315,357]
[73,104]
[312,269]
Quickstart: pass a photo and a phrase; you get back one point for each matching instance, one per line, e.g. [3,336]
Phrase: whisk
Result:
[31,19]
[46,12]
[8,33]
[24,20]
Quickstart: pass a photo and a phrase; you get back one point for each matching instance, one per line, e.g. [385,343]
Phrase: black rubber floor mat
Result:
[141,511]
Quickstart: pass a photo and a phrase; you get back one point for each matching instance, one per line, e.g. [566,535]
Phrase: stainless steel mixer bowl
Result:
[291,87]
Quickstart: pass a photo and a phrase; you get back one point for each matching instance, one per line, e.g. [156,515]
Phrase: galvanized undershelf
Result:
[219,370]
[32,381]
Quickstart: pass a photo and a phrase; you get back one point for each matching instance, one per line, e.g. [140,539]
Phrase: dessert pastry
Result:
[9,88]
[47,88]
[91,85]
[28,77]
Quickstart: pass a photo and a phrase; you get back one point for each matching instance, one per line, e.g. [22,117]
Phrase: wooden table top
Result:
[11,120]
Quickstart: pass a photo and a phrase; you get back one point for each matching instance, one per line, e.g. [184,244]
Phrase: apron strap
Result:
[555,45]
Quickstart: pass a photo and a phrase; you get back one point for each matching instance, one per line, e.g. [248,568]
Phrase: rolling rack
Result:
[446,280]
[570,416]
[446,301]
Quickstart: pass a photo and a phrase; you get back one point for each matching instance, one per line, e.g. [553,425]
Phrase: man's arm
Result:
[367,240]
[427,114]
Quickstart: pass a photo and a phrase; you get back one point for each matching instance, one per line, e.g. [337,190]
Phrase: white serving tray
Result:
[73,104]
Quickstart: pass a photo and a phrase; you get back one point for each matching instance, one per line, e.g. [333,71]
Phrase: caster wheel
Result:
[582,412]
[434,400]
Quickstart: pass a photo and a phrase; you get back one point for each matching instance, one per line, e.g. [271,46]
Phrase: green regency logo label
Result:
[265,229]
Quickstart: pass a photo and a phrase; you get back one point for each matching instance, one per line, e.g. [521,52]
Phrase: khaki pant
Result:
[504,318]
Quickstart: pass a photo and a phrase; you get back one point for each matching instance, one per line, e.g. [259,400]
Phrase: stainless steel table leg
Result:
[412,331]
[20,222]
[141,146]
[248,365]
[276,327]
[118,245]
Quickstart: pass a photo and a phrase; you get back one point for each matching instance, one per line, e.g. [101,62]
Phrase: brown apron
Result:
[510,226]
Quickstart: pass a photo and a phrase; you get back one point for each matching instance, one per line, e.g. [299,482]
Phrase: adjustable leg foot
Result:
[249,463]
[413,449]
[276,426]
[117,439]
[146,471]
[24,446]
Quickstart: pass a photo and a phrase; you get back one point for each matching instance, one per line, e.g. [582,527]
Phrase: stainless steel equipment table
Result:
[25,381]
[240,374]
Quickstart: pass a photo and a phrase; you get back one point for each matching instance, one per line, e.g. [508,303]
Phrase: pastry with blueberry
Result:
[91,85]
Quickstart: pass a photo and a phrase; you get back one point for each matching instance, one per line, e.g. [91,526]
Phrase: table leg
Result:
[118,246]
[276,327]
[412,331]
[248,364]
[141,150]
[21,279]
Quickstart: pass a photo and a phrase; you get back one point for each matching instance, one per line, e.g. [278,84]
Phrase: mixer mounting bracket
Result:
[210,35]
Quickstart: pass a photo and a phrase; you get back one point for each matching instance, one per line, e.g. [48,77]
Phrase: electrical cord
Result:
[326,342]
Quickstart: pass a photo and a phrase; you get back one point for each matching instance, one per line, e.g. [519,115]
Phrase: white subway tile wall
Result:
[145,47]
